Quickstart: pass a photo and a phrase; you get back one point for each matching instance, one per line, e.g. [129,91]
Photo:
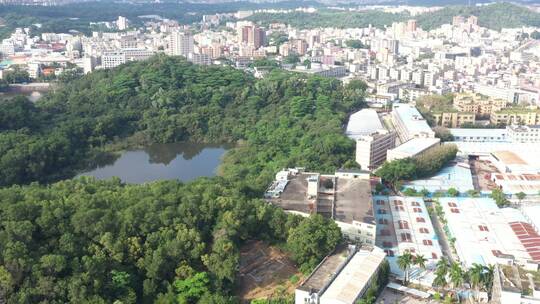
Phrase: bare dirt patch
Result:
[263,270]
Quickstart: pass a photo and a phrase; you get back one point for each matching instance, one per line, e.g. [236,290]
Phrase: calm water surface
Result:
[32,96]
[184,161]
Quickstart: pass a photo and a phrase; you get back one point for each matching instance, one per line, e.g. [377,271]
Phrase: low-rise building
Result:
[343,277]
[413,147]
[404,225]
[508,116]
[487,235]
[409,123]
[524,134]
[453,119]
[344,197]
[478,104]
[480,135]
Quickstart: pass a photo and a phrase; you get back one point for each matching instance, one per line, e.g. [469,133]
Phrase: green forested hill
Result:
[282,120]
[494,16]
[87,241]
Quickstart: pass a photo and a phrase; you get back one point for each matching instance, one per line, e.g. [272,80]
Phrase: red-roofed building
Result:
[528,237]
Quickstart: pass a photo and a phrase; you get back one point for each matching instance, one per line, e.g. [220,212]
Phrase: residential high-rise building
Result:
[473,20]
[411,25]
[252,35]
[458,20]
[181,44]
[122,23]
[259,37]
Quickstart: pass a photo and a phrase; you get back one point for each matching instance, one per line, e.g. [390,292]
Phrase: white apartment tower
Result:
[181,44]
[122,23]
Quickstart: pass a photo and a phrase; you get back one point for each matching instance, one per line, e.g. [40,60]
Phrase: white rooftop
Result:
[412,119]
[347,286]
[363,122]
[482,230]
[479,135]
[526,151]
[415,146]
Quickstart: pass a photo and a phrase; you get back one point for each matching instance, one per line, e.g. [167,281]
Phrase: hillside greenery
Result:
[424,165]
[77,16]
[88,241]
[494,16]
[329,18]
[282,120]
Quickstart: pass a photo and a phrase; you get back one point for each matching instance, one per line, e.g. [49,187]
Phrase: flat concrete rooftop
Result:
[322,275]
[351,200]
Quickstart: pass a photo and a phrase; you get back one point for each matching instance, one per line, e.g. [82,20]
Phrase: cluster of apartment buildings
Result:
[471,108]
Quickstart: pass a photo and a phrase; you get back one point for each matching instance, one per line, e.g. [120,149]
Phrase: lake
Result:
[32,96]
[183,161]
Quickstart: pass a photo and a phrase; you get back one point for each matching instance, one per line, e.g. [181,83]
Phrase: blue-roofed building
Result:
[457,175]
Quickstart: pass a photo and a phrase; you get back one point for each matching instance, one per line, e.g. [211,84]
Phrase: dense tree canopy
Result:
[283,120]
[82,241]
[495,16]
[85,241]
[423,165]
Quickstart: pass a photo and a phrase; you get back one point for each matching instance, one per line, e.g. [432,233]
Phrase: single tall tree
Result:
[404,263]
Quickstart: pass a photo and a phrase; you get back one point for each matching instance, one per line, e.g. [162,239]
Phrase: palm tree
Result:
[420,261]
[404,262]
[440,280]
[442,267]
[456,275]
[488,277]
[476,277]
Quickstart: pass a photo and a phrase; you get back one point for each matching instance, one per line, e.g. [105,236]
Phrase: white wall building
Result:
[341,278]
[409,123]
[181,44]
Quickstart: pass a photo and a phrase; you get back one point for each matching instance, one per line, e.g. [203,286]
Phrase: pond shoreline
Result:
[183,161]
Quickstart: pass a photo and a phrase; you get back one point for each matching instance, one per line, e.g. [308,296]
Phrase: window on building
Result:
[385,232]
[483,228]
[428,242]
[454,210]
[453,205]
[423,230]
[403,225]
[399,208]
[434,255]
[389,252]
[417,210]
[417,204]
[381,211]
[406,237]
[380,202]
[387,244]
[383,221]
[420,220]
